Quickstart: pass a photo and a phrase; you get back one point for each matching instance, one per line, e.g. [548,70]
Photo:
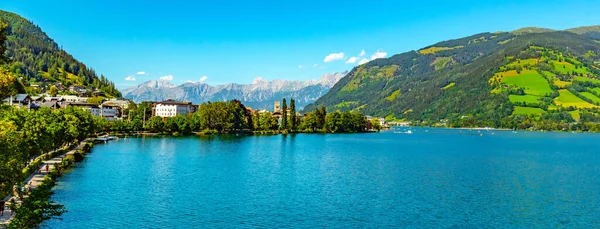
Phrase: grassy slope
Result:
[590,96]
[422,84]
[568,99]
[529,99]
[528,111]
[531,81]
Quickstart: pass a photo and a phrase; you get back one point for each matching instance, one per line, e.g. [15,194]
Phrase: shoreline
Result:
[46,177]
[499,129]
[214,133]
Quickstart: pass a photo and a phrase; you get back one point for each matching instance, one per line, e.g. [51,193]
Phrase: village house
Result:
[171,108]
[381,121]
[277,107]
[98,93]
[110,112]
[77,89]
[74,99]
[51,104]
[92,108]
[122,103]
[20,100]
[54,99]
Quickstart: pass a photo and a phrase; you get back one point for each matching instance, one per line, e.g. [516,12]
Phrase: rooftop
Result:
[80,104]
[173,102]
[18,97]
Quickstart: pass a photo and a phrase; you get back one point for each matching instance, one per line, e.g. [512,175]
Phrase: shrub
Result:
[78,156]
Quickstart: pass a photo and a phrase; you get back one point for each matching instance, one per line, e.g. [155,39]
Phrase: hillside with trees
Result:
[482,80]
[38,60]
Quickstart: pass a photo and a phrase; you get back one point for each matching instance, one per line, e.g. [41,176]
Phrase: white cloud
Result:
[203,78]
[167,78]
[362,53]
[379,54]
[141,73]
[316,65]
[130,78]
[363,61]
[352,60]
[334,57]
[300,66]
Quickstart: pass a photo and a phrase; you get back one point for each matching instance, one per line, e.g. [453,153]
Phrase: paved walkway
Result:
[36,179]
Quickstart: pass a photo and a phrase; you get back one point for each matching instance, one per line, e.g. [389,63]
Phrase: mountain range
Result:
[259,95]
[487,79]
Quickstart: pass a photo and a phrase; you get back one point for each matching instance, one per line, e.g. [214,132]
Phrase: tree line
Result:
[232,116]
[25,135]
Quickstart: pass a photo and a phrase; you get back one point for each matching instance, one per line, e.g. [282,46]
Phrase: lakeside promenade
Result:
[36,178]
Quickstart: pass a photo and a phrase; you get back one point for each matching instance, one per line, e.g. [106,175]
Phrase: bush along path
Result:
[30,204]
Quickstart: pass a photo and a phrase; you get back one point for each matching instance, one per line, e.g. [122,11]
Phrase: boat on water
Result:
[107,138]
[406,132]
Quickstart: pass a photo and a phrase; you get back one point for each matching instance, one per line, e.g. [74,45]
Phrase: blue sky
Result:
[236,41]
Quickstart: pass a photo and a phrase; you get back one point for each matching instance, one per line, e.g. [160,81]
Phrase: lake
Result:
[432,178]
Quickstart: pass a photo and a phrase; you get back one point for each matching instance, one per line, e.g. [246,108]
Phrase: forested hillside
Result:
[40,60]
[464,82]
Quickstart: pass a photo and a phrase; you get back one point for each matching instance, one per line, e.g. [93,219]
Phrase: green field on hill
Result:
[568,99]
[527,111]
[517,63]
[528,99]
[562,84]
[432,50]
[590,96]
[576,115]
[393,95]
[548,75]
[441,62]
[531,81]
[566,67]
[585,79]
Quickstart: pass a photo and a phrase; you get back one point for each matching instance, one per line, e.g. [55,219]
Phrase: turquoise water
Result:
[433,178]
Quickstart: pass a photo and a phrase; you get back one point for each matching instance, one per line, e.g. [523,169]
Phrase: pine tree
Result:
[3,59]
[284,124]
[323,116]
[293,121]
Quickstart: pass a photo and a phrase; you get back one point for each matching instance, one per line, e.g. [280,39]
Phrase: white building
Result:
[74,99]
[124,104]
[171,108]
[109,112]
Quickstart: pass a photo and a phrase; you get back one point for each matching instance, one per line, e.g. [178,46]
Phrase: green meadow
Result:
[393,95]
[527,99]
[561,84]
[566,67]
[432,50]
[527,111]
[517,63]
[590,96]
[585,79]
[531,81]
[596,90]
[576,115]
[548,75]
[568,99]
